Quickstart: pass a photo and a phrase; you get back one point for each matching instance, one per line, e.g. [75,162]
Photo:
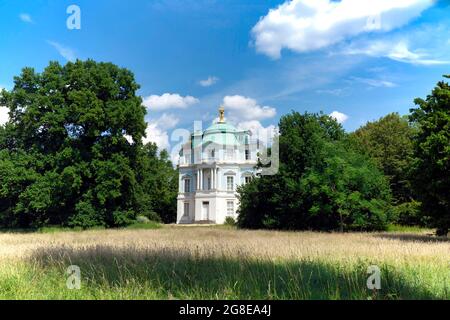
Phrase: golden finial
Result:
[222,114]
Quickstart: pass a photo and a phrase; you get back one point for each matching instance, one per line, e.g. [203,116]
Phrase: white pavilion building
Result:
[212,165]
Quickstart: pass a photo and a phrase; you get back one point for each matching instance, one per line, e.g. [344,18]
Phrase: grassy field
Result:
[222,263]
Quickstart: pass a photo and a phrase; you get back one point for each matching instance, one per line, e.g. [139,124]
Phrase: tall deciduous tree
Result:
[432,152]
[65,158]
[158,182]
[389,141]
[322,183]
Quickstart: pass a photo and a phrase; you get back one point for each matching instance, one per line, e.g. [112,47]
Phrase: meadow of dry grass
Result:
[217,262]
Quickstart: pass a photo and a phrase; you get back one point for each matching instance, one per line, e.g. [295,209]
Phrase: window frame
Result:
[186,212]
[230,178]
[187,183]
[232,211]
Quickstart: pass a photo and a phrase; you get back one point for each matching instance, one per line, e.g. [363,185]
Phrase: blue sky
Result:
[358,58]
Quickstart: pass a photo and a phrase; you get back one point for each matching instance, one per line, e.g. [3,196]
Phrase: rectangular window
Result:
[230,208]
[186,209]
[247,154]
[187,185]
[209,183]
[248,179]
[230,183]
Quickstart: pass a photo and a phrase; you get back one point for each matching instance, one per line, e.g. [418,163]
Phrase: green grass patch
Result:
[400,228]
[114,267]
[147,225]
[56,229]
[110,273]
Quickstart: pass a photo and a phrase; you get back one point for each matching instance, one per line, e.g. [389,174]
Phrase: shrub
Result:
[123,217]
[147,225]
[408,214]
[230,221]
[142,219]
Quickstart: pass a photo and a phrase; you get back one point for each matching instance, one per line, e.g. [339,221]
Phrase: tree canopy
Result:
[71,154]
[322,184]
[389,141]
[64,155]
[432,155]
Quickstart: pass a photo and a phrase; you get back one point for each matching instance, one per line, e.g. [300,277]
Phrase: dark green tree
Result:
[158,182]
[347,190]
[322,183]
[64,156]
[432,152]
[389,141]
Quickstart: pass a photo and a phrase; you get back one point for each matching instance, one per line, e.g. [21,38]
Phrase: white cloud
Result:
[398,51]
[306,25]
[156,135]
[208,82]
[157,130]
[339,116]
[244,108]
[374,82]
[339,92]
[167,121]
[128,138]
[4,117]
[66,52]
[258,131]
[168,101]
[25,17]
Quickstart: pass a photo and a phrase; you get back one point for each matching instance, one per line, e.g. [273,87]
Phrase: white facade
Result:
[212,165]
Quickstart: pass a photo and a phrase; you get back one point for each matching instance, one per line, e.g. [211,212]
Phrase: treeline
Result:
[71,153]
[394,170]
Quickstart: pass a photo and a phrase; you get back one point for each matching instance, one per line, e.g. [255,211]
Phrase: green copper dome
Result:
[228,139]
[220,127]
[221,133]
